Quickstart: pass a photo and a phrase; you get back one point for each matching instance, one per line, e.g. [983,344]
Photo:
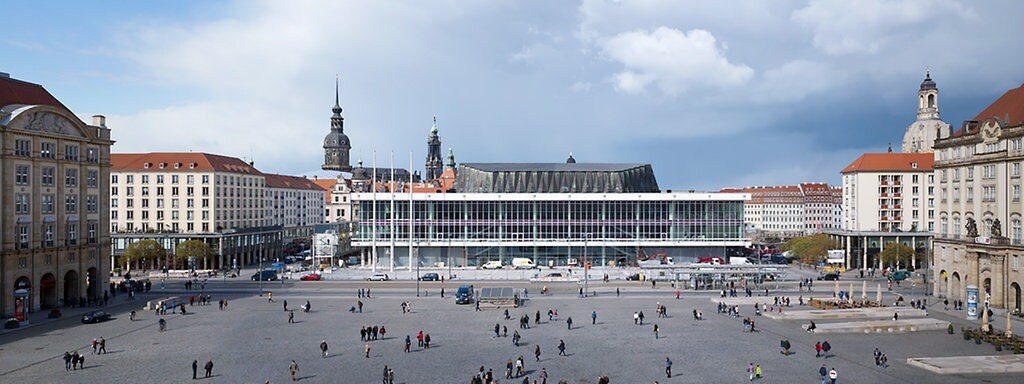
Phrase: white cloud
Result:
[795,80]
[865,26]
[580,86]
[530,53]
[672,60]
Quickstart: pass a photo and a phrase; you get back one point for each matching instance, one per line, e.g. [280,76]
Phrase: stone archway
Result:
[943,284]
[1015,297]
[986,287]
[71,288]
[48,291]
[955,290]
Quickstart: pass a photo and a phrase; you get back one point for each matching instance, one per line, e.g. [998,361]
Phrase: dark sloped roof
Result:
[553,167]
[13,91]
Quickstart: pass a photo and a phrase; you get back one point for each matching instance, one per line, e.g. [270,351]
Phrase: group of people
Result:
[73,361]
[822,348]
[367,333]
[880,359]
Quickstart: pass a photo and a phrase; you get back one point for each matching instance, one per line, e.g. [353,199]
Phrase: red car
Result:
[310,277]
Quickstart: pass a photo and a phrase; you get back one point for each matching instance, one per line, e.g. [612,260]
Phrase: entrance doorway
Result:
[1016,296]
[71,288]
[955,292]
[93,286]
[48,291]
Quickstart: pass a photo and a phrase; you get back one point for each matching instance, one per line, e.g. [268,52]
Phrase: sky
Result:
[711,94]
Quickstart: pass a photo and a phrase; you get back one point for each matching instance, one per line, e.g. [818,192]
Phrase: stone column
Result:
[998,280]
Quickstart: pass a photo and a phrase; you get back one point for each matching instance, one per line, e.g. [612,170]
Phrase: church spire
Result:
[337,99]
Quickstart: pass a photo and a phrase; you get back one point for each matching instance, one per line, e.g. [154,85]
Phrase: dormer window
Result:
[162,165]
[177,165]
[191,165]
[913,165]
[146,165]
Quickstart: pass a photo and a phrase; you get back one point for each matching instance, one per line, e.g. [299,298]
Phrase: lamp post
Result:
[586,267]
[417,270]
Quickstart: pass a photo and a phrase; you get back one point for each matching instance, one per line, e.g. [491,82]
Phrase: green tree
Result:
[143,251]
[194,248]
[897,254]
[810,249]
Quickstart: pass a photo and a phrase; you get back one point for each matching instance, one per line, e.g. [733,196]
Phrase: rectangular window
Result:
[129,179]
[23,236]
[145,191]
[70,178]
[145,179]
[70,204]
[113,179]
[71,152]
[159,179]
[970,194]
[22,203]
[190,179]
[206,179]
[72,233]
[92,155]
[145,216]
[48,235]
[21,174]
[92,178]
[145,203]
[1016,169]
[47,150]
[174,179]
[23,147]
[129,191]
[46,204]
[90,203]
[159,191]
[46,176]
[130,203]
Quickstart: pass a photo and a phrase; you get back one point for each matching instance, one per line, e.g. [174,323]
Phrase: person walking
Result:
[824,373]
[561,348]
[668,367]
[825,348]
[426,341]
[655,331]
[195,368]
[291,317]
[817,349]
[270,297]
[67,361]
[95,345]
[209,368]
[750,372]
[367,350]
[386,369]
[103,345]
[568,322]
[408,343]
[323,349]
[757,371]
[636,318]
[285,305]
[543,376]
[593,317]
[293,368]
[833,375]
[536,352]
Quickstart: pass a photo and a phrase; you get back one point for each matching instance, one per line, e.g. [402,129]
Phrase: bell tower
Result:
[336,144]
[928,127]
[433,153]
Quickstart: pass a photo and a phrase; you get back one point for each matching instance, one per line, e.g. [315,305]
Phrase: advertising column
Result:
[972,302]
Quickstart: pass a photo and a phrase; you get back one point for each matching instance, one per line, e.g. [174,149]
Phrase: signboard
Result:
[972,302]
[836,256]
[21,305]
[983,240]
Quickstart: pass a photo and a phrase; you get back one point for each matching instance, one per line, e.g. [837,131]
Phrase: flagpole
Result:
[391,191]
[374,222]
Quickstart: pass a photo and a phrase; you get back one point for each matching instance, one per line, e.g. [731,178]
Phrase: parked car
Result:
[430,277]
[554,275]
[492,265]
[95,317]
[378,277]
[311,277]
[635,276]
[900,275]
[265,275]
[829,277]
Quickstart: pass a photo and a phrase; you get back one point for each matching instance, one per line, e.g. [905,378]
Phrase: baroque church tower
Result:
[336,144]
[433,153]
[922,133]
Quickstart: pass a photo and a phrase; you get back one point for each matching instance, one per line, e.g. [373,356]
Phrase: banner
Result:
[972,302]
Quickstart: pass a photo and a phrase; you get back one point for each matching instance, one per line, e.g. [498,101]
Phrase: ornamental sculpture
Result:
[996,230]
[972,227]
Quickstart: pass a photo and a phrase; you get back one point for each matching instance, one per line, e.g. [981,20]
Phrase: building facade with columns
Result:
[978,240]
[54,170]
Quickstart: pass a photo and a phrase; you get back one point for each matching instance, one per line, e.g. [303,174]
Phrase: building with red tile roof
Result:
[54,220]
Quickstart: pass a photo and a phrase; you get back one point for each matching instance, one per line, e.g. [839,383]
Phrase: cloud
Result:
[866,26]
[530,53]
[672,60]
[580,86]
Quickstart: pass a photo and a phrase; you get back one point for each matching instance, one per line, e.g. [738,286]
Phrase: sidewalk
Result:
[41,317]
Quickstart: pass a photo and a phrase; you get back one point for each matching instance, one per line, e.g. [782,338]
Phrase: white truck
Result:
[523,263]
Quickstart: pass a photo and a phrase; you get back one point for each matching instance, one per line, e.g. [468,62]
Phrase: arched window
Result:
[931,101]
[956,227]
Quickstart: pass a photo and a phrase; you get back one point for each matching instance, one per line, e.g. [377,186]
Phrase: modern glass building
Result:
[469,229]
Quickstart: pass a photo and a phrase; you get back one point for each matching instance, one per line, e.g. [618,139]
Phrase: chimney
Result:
[5,75]
[99,121]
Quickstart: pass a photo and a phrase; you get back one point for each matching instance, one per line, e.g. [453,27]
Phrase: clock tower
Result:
[336,144]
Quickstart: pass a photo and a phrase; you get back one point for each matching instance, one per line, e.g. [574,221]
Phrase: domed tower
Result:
[433,153]
[336,144]
[570,160]
[922,133]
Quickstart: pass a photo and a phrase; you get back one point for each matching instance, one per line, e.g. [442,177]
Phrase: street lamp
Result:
[417,270]
[586,267]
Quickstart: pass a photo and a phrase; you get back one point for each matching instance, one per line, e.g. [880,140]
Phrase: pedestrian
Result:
[668,367]
[291,317]
[209,368]
[360,305]
[195,368]
[293,368]
[103,345]
[877,355]
[561,348]
[636,318]
[817,349]
[95,345]
[285,305]
[442,291]
[67,361]
[270,297]
[750,372]
[757,371]
[543,376]
[367,350]
[833,375]
[616,292]
[536,352]
[408,343]
[323,349]
[419,338]
[655,331]
[884,361]
[825,348]
[568,322]
[642,317]
[426,341]
[824,373]
[593,317]
[386,369]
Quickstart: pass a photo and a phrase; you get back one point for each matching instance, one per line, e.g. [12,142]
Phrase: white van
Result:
[523,263]
[494,264]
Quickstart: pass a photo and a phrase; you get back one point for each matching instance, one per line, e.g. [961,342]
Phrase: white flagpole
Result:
[391,191]
[411,216]
[374,222]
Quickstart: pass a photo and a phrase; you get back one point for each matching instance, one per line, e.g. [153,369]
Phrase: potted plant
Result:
[1016,348]
[967,333]
[999,345]
[977,337]
[949,329]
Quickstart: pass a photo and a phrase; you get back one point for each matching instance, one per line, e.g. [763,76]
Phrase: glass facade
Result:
[550,227]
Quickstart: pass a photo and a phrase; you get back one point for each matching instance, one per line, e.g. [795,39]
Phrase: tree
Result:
[810,249]
[142,251]
[194,248]
[897,253]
